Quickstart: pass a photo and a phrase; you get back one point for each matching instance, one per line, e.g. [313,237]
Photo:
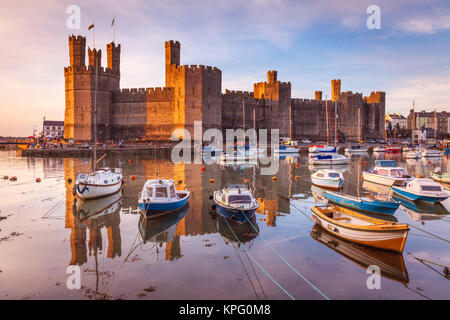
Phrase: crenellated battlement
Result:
[172,43]
[90,70]
[143,94]
[376,97]
[237,92]
[73,38]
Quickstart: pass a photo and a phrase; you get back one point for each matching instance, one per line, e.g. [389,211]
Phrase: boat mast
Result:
[290,121]
[335,124]
[435,127]
[326,115]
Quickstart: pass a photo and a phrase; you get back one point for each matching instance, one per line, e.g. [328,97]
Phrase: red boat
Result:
[393,149]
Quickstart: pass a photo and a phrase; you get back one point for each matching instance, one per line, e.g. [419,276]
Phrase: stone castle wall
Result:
[194,93]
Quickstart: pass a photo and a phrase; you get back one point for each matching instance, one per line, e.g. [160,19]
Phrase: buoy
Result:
[69,181]
[274,178]
[429,161]
[297,177]
[130,161]
[419,176]
[13,178]
[38,180]
[364,163]
[5,177]
[203,169]
[211,180]
[133,177]
[297,165]
[246,180]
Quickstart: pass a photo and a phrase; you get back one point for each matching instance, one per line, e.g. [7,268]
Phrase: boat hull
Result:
[379,207]
[392,239]
[155,209]
[238,215]
[91,191]
[417,197]
[440,177]
[318,162]
[328,183]
[384,180]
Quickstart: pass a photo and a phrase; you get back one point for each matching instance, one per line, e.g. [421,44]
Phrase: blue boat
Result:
[159,197]
[425,190]
[235,202]
[363,204]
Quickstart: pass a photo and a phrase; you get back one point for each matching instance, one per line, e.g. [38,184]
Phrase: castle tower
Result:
[271,76]
[335,89]
[113,56]
[77,50]
[173,49]
[95,57]
[318,95]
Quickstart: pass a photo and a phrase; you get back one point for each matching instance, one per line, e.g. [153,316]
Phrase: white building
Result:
[395,119]
[53,129]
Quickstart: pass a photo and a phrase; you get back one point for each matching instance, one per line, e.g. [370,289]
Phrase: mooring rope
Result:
[254,260]
[431,234]
[284,260]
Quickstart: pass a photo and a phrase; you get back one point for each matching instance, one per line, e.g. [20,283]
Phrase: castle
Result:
[194,93]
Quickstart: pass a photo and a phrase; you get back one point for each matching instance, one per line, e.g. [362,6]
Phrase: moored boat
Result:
[356,149]
[425,190]
[412,154]
[97,184]
[363,204]
[239,155]
[428,153]
[321,148]
[437,175]
[327,159]
[328,178]
[159,197]
[393,149]
[286,149]
[379,149]
[386,172]
[235,202]
[350,225]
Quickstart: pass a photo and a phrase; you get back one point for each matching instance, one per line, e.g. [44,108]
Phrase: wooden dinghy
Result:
[359,228]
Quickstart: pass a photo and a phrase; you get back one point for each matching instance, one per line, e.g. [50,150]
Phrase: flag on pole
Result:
[91,26]
[112,23]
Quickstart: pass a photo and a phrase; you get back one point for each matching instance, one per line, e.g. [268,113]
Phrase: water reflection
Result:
[392,265]
[234,232]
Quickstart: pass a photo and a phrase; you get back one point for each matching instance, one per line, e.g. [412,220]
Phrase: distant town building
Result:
[439,121]
[419,136]
[53,129]
[395,119]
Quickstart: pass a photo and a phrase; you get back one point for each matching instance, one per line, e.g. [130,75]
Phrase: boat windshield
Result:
[161,192]
[398,173]
[334,175]
[431,188]
[239,198]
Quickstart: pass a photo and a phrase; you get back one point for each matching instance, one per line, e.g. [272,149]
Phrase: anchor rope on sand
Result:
[256,262]
[284,260]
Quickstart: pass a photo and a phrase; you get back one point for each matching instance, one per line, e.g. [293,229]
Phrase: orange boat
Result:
[362,229]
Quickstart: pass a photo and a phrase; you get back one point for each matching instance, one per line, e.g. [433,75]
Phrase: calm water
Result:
[195,255]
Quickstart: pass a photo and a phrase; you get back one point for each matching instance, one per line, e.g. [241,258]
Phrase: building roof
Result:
[397,116]
[53,123]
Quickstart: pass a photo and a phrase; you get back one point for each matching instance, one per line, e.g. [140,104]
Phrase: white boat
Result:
[328,178]
[235,202]
[327,159]
[413,155]
[239,155]
[406,149]
[286,149]
[99,183]
[437,175]
[387,173]
[159,197]
[321,148]
[432,153]
[356,149]
[379,149]
[424,190]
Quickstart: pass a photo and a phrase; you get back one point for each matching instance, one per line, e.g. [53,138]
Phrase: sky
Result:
[308,42]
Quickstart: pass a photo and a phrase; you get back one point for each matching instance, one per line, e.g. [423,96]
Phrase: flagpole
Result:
[114,21]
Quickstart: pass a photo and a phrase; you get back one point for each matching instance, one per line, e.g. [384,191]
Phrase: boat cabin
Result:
[159,189]
[421,186]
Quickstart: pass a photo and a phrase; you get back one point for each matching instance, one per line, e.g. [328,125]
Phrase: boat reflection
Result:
[230,229]
[418,210]
[318,193]
[161,229]
[95,208]
[375,187]
[392,265]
